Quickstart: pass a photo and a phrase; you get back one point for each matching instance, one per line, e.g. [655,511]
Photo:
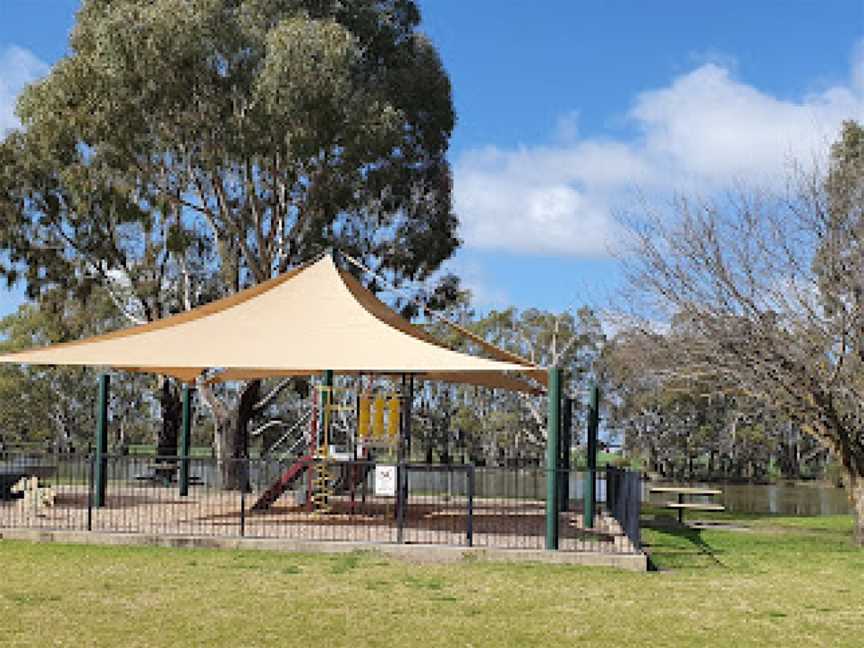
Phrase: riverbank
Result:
[771,581]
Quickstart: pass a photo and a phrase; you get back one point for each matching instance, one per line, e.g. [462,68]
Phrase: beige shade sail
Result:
[496,379]
[302,322]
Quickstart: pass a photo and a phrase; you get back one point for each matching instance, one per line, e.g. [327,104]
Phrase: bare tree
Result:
[771,286]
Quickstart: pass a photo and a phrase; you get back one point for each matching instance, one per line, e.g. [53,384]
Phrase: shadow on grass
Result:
[678,546]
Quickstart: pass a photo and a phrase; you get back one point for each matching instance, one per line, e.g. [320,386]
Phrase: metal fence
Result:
[308,500]
[623,500]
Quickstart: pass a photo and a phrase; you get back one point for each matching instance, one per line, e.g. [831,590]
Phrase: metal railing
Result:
[306,499]
[624,500]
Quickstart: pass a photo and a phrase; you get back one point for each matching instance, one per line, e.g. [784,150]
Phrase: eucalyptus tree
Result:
[772,284]
[71,238]
[570,340]
[688,424]
[498,425]
[56,405]
[278,128]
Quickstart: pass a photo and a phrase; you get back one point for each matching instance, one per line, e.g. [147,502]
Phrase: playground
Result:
[455,505]
[345,471]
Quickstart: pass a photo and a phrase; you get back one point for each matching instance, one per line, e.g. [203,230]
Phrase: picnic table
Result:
[164,472]
[687,491]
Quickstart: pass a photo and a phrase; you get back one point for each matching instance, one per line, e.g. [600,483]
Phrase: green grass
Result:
[777,582]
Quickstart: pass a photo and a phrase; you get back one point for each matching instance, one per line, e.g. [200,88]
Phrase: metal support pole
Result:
[100,477]
[553,425]
[591,475]
[400,512]
[403,451]
[409,411]
[91,468]
[243,506]
[566,442]
[469,528]
[185,441]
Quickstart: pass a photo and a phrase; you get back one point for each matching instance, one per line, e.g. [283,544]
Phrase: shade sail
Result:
[302,322]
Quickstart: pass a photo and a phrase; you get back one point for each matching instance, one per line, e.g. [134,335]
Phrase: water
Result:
[782,499]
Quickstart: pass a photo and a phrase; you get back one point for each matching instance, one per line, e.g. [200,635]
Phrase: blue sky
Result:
[566,111]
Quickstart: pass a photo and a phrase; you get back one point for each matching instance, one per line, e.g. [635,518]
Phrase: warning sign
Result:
[385,481]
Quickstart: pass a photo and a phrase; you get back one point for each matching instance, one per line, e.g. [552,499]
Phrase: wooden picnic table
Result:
[684,491]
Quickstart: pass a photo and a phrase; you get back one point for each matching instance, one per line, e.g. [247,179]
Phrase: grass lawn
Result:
[780,582]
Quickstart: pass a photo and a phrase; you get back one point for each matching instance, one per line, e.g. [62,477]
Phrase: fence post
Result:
[91,467]
[566,442]
[635,507]
[403,450]
[185,441]
[591,476]
[610,490]
[469,527]
[101,466]
[553,425]
[400,510]
[243,503]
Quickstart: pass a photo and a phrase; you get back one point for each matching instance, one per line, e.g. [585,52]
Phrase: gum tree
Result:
[75,241]
[278,128]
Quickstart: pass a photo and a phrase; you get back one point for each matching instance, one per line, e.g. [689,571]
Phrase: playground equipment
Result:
[330,463]
[35,496]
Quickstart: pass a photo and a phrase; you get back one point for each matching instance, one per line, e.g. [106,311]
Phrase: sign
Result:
[385,481]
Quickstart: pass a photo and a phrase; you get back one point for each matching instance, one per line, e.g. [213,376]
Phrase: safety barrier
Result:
[624,500]
[368,501]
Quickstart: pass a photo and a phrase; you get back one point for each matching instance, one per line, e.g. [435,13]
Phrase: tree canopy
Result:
[185,149]
[284,127]
[769,287]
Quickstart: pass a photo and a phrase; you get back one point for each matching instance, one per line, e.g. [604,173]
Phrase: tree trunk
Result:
[856,492]
[172,412]
[231,434]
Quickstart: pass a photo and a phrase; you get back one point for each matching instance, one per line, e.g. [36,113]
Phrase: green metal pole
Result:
[100,479]
[553,425]
[185,441]
[591,475]
[566,437]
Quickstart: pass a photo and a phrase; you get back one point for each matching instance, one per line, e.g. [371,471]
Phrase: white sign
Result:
[385,481]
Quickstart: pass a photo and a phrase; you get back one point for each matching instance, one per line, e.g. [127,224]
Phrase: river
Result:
[784,498]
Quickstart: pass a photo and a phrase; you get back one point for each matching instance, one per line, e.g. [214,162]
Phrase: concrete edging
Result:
[418,553]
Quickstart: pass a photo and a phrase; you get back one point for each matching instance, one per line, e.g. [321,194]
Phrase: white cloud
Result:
[18,67]
[704,130]
[485,293]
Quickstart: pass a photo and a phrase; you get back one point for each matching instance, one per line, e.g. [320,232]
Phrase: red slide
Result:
[284,483]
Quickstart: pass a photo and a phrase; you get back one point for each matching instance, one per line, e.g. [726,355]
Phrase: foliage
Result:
[56,405]
[500,426]
[186,149]
[697,427]
[283,127]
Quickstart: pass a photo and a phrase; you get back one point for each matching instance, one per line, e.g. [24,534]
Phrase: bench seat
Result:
[686,490]
[695,506]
